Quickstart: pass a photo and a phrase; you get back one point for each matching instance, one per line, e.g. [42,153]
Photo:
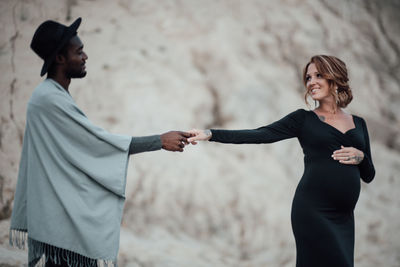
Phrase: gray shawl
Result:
[71,183]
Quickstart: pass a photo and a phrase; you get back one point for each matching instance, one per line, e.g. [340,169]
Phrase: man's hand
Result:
[175,140]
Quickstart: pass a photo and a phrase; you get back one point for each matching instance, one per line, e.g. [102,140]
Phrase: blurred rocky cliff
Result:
[158,65]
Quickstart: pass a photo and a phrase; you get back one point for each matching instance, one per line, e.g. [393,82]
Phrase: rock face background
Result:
[160,65]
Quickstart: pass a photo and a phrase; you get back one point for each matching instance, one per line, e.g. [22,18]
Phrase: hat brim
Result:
[69,33]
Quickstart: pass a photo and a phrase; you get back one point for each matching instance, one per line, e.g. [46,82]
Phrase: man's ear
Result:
[60,59]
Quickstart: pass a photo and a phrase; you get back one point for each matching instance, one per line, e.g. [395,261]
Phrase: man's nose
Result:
[85,56]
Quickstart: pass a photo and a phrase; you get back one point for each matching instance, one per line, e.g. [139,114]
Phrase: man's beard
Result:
[76,74]
[75,71]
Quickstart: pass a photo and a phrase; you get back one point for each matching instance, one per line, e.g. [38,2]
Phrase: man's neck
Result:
[62,80]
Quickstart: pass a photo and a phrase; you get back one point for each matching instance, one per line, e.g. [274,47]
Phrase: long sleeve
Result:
[145,143]
[287,127]
[367,170]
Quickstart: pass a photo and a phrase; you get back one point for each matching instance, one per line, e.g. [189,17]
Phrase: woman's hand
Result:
[348,155]
[199,135]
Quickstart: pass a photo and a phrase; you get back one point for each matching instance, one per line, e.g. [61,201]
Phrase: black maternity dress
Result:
[322,209]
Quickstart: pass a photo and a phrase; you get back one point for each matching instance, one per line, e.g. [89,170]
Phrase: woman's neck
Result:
[328,107]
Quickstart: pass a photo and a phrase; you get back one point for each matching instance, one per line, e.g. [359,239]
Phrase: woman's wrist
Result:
[208,134]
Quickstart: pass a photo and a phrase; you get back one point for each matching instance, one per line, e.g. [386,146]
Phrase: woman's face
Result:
[317,86]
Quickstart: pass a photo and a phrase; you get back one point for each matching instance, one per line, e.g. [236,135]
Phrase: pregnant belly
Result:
[331,185]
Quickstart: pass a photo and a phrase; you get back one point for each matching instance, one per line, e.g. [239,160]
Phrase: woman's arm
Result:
[287,127]
[367,169]
[354,156]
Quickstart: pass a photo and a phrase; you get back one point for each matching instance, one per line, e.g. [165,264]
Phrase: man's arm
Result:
[144,144]
[171,141]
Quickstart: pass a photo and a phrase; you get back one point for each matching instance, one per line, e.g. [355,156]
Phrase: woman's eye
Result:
[319,75]
[308,78]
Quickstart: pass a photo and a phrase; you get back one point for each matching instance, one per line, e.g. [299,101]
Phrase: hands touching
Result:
[175,140]
[199,135]
[348,155]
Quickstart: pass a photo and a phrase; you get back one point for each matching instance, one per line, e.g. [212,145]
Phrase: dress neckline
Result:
[344,133]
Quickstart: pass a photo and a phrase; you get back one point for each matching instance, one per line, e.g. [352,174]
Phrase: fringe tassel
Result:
[39,253]
[18,238]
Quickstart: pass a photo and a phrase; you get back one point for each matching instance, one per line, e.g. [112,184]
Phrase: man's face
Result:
[76,59]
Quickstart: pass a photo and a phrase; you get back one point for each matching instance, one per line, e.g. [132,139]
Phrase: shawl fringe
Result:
[40,253]
[18,238]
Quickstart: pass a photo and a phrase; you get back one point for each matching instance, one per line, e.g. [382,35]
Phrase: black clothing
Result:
[145,143]
[64,262]
[322,209]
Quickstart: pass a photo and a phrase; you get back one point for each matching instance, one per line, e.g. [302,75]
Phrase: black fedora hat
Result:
[49,38]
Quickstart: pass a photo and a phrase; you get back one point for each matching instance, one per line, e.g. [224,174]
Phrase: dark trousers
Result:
[64,263]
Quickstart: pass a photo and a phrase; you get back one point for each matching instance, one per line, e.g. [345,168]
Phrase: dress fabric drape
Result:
[322,209]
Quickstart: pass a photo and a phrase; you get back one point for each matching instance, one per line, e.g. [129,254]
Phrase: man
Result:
[71,182]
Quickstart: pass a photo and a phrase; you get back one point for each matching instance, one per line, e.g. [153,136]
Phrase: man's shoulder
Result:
[47,94]
[46,87]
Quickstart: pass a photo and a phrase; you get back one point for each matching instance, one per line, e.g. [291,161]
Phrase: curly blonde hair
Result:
[334,70]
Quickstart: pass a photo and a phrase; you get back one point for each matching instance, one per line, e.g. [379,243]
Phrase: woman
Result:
[336,154]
